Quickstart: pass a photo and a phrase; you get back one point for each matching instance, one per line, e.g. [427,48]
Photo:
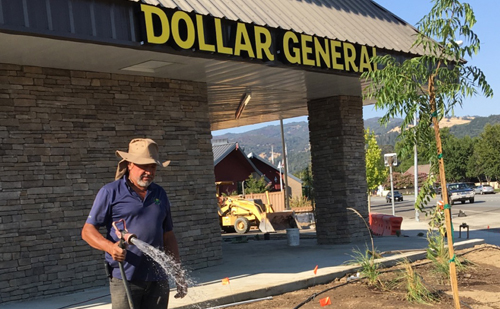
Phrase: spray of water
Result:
[167,263]
[172,268]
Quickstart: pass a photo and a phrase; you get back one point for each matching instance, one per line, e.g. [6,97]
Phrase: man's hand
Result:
[182,287]
[90,233]
[118,254]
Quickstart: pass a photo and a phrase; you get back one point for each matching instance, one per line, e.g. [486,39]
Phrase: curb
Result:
[335,273]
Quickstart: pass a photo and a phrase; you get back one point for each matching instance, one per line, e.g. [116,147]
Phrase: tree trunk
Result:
[442,176]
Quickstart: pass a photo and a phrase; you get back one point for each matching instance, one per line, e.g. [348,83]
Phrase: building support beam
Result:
[338,167]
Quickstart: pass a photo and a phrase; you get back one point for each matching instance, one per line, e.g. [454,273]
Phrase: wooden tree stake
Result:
[444,190]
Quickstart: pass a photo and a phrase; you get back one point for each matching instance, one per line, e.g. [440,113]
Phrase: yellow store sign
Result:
[199,33]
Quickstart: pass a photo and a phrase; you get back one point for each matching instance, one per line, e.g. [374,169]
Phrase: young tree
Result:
[432,84]
[255,185]
[307,182]
[376,172]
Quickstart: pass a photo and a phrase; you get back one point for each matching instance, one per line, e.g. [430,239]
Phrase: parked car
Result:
[484,189]
[397,197]
[459,192]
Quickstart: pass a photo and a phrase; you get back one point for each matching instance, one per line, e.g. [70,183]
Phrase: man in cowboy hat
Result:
[145,208]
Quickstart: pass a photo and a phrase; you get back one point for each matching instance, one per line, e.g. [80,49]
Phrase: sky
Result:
[486,28]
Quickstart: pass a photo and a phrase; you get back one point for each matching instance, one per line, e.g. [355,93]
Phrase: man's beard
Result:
[143,183]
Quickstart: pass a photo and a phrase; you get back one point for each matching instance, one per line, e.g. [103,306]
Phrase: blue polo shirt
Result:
[148,219]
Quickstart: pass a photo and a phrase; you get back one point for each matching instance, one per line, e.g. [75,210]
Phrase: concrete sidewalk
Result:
[260,268]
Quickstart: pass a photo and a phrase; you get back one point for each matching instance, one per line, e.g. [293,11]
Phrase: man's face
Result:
[141,175]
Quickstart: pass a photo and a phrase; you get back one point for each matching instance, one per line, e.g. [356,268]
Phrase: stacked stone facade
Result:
[338,167]
[59,130]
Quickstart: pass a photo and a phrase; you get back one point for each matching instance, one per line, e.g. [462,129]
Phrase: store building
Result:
[80,78]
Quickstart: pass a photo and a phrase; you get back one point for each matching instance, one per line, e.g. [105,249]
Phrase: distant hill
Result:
[386,135]
[267,141]
[474,127]
[459,126]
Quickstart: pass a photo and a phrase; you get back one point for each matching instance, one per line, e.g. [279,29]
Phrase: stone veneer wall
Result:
[59,130]
[338,167]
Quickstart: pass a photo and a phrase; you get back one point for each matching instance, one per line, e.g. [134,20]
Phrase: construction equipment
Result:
[239,214]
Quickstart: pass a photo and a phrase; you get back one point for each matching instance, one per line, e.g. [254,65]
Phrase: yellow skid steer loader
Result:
[240,214]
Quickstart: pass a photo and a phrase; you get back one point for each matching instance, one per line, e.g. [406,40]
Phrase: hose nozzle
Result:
[127,237]
[123,234]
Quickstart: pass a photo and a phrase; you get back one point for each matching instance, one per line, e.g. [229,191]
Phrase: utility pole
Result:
[272,154]
[285,161]
[280,166]
[391,159]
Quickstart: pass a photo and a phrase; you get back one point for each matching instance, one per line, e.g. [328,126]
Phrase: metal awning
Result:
[80,35]
[362,22]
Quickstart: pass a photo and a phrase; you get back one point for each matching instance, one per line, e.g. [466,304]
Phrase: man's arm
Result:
[91,235]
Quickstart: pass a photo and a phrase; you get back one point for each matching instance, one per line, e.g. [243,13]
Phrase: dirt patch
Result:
[478,287]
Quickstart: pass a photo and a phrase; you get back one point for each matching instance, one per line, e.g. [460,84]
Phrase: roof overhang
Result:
[279,90]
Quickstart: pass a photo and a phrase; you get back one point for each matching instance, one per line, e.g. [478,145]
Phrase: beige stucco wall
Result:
[295,188]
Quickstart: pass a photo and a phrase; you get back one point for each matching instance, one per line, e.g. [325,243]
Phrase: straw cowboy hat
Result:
[140,151]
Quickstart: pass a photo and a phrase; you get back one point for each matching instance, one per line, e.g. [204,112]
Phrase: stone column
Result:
[338,167]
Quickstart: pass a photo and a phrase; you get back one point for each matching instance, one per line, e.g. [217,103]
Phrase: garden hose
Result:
[124,278]
[125,237]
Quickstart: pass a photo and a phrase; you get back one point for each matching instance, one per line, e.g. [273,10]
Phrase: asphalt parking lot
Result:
[483,213]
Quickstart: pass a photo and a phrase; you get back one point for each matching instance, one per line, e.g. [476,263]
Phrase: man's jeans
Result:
[145,294]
